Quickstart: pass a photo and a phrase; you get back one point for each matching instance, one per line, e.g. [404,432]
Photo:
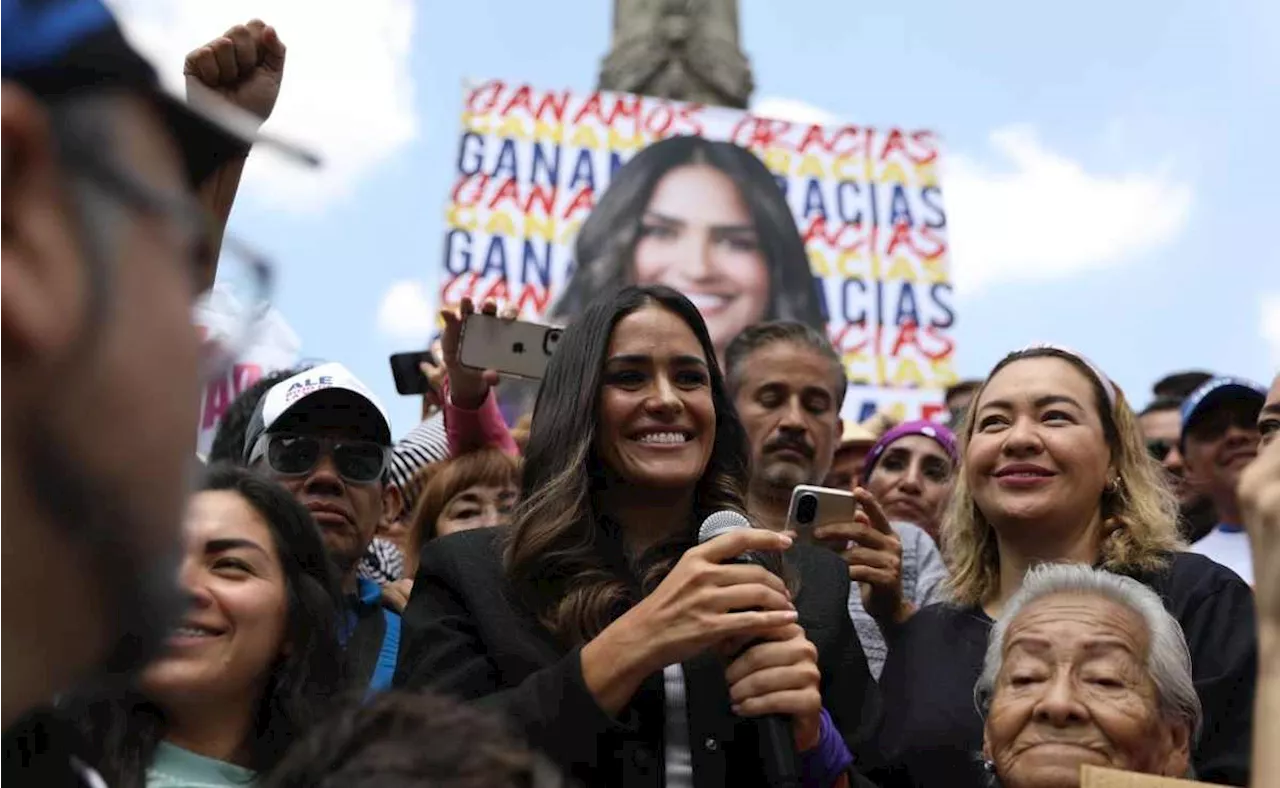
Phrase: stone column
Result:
[678,49]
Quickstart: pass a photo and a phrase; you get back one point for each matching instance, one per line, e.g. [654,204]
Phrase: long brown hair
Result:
[564,557]
[1139,513]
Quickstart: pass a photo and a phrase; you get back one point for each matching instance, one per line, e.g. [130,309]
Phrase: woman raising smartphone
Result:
[611,640]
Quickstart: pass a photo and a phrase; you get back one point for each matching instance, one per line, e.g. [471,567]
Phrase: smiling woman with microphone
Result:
[609,638]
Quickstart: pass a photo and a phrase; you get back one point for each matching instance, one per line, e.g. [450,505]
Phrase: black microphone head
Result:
[721,522]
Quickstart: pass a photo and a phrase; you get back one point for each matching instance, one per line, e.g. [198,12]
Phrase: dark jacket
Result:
[466,635]
[932,733]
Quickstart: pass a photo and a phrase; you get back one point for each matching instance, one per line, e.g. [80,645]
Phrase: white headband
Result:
[1107,386]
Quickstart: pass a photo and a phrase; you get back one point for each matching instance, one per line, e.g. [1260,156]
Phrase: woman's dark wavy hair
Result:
[563,554]
[123,727]
[606,243]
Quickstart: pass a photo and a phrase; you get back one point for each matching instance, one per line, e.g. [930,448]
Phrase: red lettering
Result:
[932,410]
[929,145]
[543,197]
[845,141]
[510,190]
[893,144]
[217,399]
[946,345]
[472,186]
[591,107]
[583,201]
[484,98]
[497,292]
[539,297]
[658,121]
[520,100]
[690,115]
[553,104]
[460,287]
[625,106]
[846,237]
[814,136]
[765,132]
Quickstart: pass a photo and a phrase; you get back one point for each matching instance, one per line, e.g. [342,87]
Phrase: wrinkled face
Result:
[1162,429]
[479,506]
[788,399]
[912,481]
[1038,457]
[1074,689]
[234,630]
[1269,417]
[696,236]
[1219,445]
[657,421]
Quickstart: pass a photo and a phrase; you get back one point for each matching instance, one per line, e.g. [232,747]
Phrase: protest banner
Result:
[860,205]
[274,346]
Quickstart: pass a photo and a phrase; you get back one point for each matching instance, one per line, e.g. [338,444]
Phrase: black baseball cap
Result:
[58,48]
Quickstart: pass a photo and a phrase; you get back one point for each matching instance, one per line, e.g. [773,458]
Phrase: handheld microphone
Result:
[776,739]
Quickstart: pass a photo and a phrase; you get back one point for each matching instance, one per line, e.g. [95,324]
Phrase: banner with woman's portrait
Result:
[559,195]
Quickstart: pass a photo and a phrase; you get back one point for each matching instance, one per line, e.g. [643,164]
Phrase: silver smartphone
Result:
[813,507]
[512,347]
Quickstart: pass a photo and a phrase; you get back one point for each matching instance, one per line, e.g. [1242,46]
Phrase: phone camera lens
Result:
[806,508]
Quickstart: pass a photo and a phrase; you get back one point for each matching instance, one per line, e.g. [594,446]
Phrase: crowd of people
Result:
[1048,580]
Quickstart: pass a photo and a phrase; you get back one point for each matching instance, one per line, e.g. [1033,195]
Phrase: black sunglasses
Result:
[357,461]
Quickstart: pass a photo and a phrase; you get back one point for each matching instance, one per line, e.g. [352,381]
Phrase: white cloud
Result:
[1269,325]
[795,111]
[407,312]
[347,92]
[1032,214]
[1039,215]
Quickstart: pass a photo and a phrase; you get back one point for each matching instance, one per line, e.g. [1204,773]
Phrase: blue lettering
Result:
[541,268]
[850,213]
[931,196]
[813,202]
[584,172]
[907,311]
[900,207]
[506,164]
[940,293]
[457,249]
[495,259]
[548,164]
[470,154]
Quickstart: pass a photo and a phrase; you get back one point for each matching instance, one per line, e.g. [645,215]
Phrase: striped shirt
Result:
[423,445]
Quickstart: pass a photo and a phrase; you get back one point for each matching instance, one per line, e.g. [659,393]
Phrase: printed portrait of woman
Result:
[707,219]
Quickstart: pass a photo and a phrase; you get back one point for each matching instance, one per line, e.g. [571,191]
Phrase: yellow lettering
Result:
[893,174]
[777,160]
[843,168]
[500,224]
[543,132]
[818,263]
[811,166]
[512,128]
[908,374]
[901,268]
[927,174]
[619,142]
[944,373]
[585,137]
[935,270]
[539,227]
[461,218]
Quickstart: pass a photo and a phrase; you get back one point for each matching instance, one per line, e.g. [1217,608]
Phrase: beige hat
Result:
[856,433]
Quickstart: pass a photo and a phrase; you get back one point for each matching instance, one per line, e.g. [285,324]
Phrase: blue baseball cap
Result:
[1216,391]
[58,48]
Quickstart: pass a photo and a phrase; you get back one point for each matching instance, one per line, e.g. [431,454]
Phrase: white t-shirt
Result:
[1228,546]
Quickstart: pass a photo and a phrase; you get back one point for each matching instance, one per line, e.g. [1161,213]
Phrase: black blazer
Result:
[466,635]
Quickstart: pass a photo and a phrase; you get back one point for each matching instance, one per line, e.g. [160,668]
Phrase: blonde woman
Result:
[1054,469]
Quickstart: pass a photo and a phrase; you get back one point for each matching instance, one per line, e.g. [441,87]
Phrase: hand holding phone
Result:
[508,347]
[814,507]
[468,384]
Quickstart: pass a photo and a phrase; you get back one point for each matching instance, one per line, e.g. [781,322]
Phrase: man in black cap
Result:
[106,246]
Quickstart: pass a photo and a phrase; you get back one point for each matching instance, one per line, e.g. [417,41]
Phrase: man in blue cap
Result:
[1219,440]
[106,247]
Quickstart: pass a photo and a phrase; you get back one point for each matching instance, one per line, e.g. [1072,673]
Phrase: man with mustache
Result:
[324,435]
[788,384]
[1219,439]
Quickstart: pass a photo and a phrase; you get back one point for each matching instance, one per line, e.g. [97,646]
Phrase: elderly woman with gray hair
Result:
[1085,667]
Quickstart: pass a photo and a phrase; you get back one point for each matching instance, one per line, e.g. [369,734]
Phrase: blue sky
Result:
[1110,170]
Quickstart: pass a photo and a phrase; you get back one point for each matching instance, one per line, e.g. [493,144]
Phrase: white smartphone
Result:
[813,507]
[512,347]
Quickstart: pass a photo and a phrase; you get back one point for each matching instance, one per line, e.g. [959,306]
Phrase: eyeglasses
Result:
[357,461]
[1159,449]
[231,313]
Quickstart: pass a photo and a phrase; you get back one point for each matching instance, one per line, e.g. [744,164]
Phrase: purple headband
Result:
[940,434]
